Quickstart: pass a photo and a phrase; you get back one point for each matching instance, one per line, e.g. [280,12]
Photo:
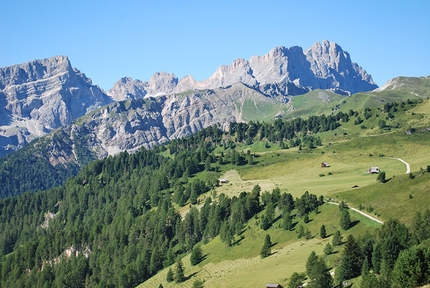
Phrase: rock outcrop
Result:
[132,124]
[41,95]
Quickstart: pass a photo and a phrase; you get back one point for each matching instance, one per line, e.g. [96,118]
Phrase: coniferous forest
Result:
[116,223]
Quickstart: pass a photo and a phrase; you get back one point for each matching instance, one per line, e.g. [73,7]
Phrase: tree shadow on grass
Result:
[191,275]
[238,241]
[354,223]
[203,258]
[293,225]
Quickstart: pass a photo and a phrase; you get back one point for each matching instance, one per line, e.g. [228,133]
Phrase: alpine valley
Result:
[44,96]
[290,169]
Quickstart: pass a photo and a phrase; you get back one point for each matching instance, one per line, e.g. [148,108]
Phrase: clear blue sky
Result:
[108,40]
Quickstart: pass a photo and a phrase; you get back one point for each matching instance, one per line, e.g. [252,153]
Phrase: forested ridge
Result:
[30,169]
[119,215]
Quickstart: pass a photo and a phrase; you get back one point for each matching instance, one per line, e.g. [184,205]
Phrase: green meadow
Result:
[349,150]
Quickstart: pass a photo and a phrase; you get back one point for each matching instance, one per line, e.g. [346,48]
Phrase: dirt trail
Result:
[408,167]
[361,212]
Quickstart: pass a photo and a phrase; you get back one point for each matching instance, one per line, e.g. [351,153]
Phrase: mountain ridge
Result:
[288,71]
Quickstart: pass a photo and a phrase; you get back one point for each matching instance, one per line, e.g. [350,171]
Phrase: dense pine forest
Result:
[119,216]
[116,223]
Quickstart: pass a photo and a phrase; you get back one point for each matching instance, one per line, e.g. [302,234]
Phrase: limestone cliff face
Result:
[41,95]
[334,70]
[132,124]
[283,71]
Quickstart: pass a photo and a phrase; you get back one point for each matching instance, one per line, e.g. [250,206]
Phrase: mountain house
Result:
[374,170]
[325,164]
[274,286]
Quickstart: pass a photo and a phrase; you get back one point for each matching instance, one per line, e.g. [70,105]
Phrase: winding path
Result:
[408,167]
[408,170]
[361,212]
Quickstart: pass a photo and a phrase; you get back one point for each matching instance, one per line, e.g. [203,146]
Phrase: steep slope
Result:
[283,71]
[41,95]
[128,126]
[147,122]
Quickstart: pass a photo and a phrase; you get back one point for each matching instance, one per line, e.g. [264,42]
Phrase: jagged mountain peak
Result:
[34,70]
[162,83]
[41,95]
[287,71]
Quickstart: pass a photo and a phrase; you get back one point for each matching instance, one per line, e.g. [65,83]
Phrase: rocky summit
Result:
[283,71]
[41,95]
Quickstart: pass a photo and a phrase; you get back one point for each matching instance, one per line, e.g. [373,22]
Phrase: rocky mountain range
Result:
[283,71]
[42,95]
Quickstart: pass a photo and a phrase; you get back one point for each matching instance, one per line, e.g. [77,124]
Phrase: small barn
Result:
[222,181]
[325,164]
[274,286]
[374,170]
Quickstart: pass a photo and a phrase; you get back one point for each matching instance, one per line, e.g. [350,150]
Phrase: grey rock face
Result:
[131,124]
[281,72]
[334,70]
[127,88]
[41,95]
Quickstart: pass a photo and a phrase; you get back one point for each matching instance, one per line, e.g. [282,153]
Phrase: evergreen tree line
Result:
[29,168]
[118,214]
[392,256]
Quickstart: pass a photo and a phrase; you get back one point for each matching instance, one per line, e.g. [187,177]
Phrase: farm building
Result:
[325,164]
[374,170]
[222,181]
[274,286]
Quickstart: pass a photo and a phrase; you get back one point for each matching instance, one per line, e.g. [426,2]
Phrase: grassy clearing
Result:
[392,199]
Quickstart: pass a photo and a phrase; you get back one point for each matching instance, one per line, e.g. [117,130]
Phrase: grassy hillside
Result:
[136,213]
[241,265]
[351,150]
